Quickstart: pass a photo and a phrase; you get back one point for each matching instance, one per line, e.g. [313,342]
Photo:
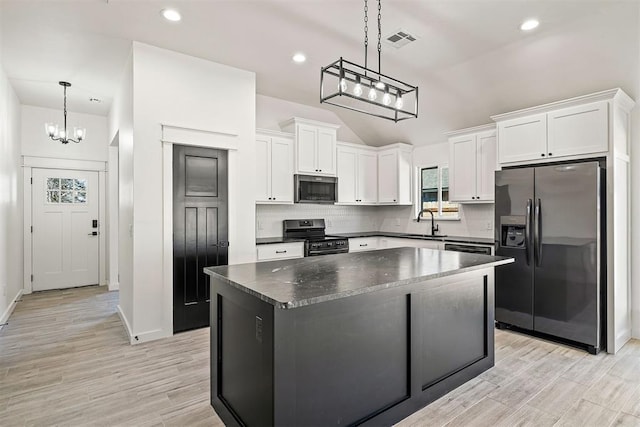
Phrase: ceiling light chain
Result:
[55,133]
[347,92]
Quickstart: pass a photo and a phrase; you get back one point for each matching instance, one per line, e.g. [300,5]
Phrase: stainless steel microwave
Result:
[315,189]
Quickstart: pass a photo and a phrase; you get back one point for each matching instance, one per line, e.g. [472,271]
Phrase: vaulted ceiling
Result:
[470,59]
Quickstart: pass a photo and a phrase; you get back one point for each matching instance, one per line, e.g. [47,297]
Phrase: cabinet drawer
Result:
[361,244]
[280,251]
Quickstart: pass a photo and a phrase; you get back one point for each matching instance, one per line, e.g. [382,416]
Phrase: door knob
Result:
[93,233]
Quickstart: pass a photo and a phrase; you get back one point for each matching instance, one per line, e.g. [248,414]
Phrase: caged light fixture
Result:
[358,88]
[61,135]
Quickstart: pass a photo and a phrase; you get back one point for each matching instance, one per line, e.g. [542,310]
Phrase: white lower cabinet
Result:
[361,244]
[275,251]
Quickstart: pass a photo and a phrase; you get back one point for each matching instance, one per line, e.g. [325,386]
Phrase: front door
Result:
[65,228]
[199,230]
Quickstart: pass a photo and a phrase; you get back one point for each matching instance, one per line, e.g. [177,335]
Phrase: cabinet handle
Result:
[473,197]
[542,154]
[281,252]
[394,200]
[362,245]
[477,197]
[551,154]
[273,198]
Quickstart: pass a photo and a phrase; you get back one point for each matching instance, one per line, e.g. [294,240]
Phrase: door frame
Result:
[28,164]
[173,134]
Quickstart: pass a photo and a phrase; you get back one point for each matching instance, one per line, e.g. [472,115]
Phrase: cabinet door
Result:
[367,177]
[306,149]
[263,169]
[462,173]
[326,151]
[405,178]
[347,178]
[522,139]
[361,244]
[281,170]
[388,176]
[578,130]
[486,166]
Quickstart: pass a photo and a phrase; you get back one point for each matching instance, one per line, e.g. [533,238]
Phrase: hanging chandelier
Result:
[359,88]
[57,134]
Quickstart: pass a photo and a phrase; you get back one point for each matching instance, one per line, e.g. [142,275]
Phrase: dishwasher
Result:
[472,248]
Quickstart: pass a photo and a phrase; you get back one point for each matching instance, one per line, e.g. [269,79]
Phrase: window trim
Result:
[418,186]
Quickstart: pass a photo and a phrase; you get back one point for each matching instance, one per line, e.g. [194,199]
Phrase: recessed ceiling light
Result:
[529,24]
[299,58]
[171,15]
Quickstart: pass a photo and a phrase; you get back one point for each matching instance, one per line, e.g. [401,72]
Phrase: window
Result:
[434,192]
[66,190]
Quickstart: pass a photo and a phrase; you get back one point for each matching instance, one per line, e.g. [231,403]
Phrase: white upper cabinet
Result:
[472,164]
[357,175]
[394,175]
[578,130]
[274,167]
[315,146]
[564,130]
[524,138]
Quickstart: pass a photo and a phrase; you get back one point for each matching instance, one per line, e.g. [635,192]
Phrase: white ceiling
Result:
[471,59]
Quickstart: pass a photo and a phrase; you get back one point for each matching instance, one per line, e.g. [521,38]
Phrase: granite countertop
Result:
[299,282]
[457,239]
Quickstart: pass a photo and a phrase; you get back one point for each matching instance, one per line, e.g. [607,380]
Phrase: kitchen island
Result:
[359,338]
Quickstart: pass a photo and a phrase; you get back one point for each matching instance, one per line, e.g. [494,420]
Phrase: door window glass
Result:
[66,190]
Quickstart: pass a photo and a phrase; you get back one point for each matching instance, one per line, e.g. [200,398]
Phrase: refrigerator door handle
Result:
[527,231]
[538,233]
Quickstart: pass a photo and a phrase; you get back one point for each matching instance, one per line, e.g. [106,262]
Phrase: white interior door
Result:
[65,248]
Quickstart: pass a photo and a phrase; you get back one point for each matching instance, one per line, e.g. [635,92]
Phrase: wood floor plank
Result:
[65,360]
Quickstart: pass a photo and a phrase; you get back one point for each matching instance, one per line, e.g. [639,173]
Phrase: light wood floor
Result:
[65,360]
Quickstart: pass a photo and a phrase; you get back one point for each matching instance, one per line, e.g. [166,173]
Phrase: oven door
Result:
[315,189]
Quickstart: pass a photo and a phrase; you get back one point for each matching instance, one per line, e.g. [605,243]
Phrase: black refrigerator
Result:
[551,219]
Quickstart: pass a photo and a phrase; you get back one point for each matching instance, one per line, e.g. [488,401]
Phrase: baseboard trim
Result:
[125,323]
[7,313]
[623,337]
[113,286]
[149,336]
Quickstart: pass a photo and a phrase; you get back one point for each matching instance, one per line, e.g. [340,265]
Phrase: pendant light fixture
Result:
[359,88]
[61,135]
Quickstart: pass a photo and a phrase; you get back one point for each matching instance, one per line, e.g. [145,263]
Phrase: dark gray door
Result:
[567,251]
[514,282]
[199,230]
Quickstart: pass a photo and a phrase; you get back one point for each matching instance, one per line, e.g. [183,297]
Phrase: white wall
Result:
[474,219]
[270,112]
[120,123]
[635,198]
[11,243]
[186,92]
[36,143]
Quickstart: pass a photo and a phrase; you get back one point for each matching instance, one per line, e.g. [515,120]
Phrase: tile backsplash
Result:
[476,220]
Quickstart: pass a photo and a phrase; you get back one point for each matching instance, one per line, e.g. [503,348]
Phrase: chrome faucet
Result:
[434,227]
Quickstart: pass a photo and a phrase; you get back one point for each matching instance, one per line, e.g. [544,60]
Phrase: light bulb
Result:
[357,89]
[343,85]
[79,133]
[171,15]
[386,98]
[399,102]
[63,134]
[50,129]
[373,95]
[380,85]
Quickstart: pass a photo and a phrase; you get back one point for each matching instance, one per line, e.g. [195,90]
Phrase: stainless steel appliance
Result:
[472,248]
[315,189]
[316,241]
[551,220]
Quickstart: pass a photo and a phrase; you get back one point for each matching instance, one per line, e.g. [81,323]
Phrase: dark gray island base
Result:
[362,338]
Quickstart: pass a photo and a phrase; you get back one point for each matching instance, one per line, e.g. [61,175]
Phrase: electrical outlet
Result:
[489,225]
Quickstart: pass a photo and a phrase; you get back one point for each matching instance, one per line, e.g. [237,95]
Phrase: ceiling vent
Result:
[400,38]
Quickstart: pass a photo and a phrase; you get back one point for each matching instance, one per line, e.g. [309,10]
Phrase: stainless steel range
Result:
[316,241]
